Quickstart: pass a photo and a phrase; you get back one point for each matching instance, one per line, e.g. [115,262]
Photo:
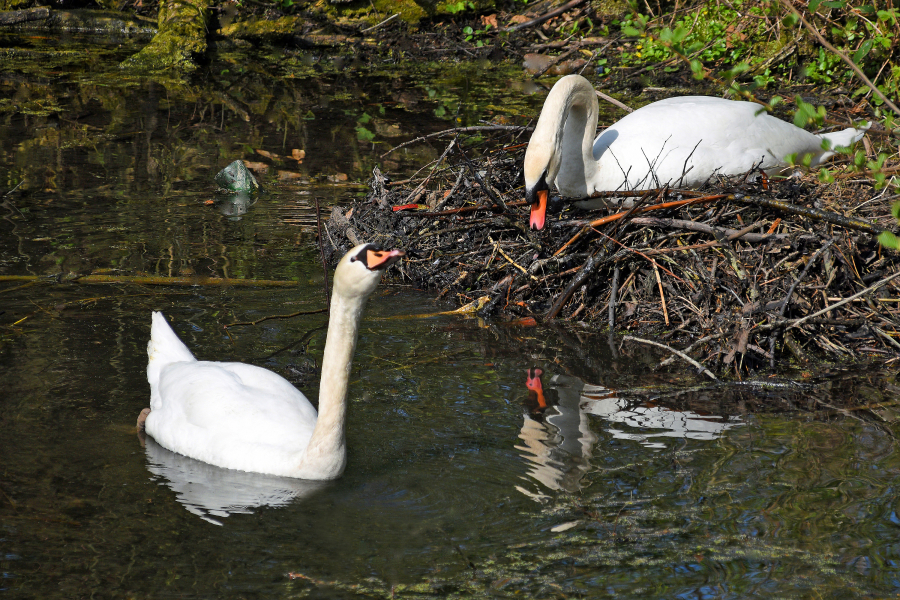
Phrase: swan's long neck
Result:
[327,450]
[571,112]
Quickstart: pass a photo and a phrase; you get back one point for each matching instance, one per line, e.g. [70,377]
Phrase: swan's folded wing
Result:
[235,402]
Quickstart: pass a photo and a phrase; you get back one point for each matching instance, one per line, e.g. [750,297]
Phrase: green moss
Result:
[181,39]
[261,28]
[611,8]
[14,4]
[411,12]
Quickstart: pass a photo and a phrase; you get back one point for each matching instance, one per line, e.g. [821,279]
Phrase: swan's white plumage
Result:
[679,141]
[244,417]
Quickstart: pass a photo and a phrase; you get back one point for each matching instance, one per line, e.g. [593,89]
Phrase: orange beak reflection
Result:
[535,389]
[539,210]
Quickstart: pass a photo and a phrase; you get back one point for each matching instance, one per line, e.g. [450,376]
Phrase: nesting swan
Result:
[678,141]
[243,417]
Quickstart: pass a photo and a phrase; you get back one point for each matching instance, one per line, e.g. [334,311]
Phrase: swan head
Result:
[540,166]
[536,194]
[358,273]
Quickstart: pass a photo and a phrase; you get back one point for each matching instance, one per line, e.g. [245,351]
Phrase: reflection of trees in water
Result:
[75,131]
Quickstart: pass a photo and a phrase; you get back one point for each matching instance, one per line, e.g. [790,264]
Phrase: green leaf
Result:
[807,159]
[888,15]
[889,240]
[862,52]
[364,134]
[866,10]
[832,4]
[697,68]
[628,30]
[895,210]
[813,5]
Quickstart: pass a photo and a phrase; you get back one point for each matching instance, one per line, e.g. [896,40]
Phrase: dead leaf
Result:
[516,19]
[298,155]
[489,20]
[267,154]
[256,166]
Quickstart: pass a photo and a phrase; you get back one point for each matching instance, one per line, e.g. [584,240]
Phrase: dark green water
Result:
[458,483]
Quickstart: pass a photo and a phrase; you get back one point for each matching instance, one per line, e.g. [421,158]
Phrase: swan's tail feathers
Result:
[164,348]
[842,139]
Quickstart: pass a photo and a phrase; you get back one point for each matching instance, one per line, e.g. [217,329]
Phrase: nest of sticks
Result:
[742,274]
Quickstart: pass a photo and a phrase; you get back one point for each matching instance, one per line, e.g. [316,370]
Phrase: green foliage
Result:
[443,110]
[457,7]
[704,34]
[888,239]
[723,35]
[807,114]
[363,134]
[475,36]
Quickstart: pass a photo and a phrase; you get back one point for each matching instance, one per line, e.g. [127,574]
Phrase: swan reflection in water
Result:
[558,439]
[213,493]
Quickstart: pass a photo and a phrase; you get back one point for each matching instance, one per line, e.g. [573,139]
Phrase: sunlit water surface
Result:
[483,459]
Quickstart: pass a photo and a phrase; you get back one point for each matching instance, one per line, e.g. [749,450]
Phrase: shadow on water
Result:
[483,459]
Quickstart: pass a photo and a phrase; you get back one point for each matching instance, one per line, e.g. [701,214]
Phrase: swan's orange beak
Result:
[382,259]
[533,383]
[539,210]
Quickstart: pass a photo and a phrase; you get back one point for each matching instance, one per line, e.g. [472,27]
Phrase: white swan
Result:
[679,141]
[244,417]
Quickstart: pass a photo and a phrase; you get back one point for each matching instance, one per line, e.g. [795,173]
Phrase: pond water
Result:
[486,460]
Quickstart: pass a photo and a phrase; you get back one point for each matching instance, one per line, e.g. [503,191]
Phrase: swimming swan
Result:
[679,141]
[244,417]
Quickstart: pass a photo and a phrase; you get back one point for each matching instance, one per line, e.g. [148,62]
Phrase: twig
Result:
[871,288]
[147,280]
[546,16]
[557,59]
[590,265]
[612,298]
[681,355]
[704,228]
[619,215]
[511,261]
[290,316]
[612,100]
[662,295]
[470,129]
[813,213]
[809,264]
[390,18]
[322,253]
[452,191]
[416,190]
